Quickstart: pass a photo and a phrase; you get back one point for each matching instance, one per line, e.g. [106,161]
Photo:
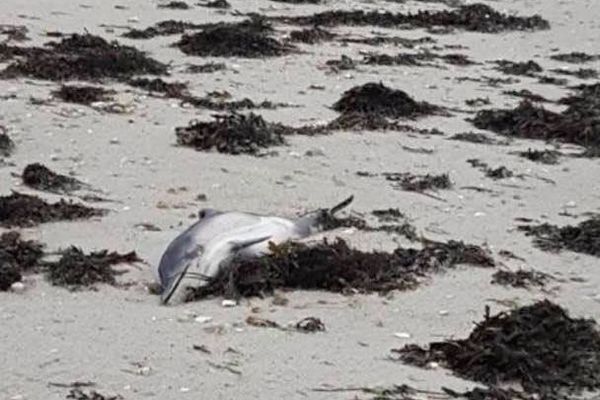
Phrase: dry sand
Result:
[127,343]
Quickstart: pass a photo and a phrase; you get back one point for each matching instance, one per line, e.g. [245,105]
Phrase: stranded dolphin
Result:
[199,253]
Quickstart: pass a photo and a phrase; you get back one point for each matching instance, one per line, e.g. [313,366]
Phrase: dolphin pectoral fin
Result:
[341,205]
[240,244]
[172,287]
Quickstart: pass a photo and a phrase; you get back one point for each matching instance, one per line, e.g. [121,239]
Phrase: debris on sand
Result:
[526,94]
[500,172]
[7,146]
[310,324]
[497,393]
[582,238]
[538,346]
[520,278]
[475,17]
[233,134]
[578,124]
[378,40]
[419,183]
[24,210]
[16,257]
[552,80]
[528,68]
[162,28]
[175,5]
[575,57]
[581,73]
[157,85]
[206,68]
[421,59]
[75,268]
[337,267]
[78,394]
[392,222]
[251,38]
[474,137]
[82,94]
[344,63]
[220,4]
[40,177]
[312,35]
[549,157]
[16,33]
[378,99]
[478,102]
[299,1]
[81,57]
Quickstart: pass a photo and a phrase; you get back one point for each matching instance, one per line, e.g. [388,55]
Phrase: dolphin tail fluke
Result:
[341,205]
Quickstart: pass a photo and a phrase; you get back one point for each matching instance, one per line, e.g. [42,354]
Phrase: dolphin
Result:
[198,254]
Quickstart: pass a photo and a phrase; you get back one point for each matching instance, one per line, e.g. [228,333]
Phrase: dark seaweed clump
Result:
[157,85]
[16,257]
[24,210]
[299,1]
[82,57]
[17,33]
[538,346]
[40,177]
[475,17]
[78,394]
[575,57]
[582,238]
[311,36]
[419,183]
[337,267]
[233,134]
[206,68]
[528,68]
[526,94]
[578,124]
[6,144]
[473,137]
[380,100]
[581,73]
[500,172]
[395,40]
[75,268]
[542,156]
[221,4]
[250,38]
[175,5]
[162,28]
[82,94]
[520,278]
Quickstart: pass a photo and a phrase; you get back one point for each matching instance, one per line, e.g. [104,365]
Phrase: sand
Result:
[122,339]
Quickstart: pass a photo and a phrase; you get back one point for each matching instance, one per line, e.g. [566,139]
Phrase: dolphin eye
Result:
[202,214]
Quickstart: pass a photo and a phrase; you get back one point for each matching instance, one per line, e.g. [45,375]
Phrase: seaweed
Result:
[474,17]
[526,94]
[77,269]
[538,346]
[311,35]
[419,183]
[81,57]
[500,172]
[40,177]
[82,94]
[233,134]
[175,5]
[575,57]
[377,99]
[17,256]
[23,210]
[528,68]
[581,73]
[542,156]
[552,80]
[78,394]
[473,137]
[578,124]
[395,40]
[162,28]
[251,39]
[478,102]
[582,238]
[310,324]
[299,1]
[336,267]
[7,146]
[157,85]
[16,33]
[220,4]
[520,278]
[206,68]
[344,63]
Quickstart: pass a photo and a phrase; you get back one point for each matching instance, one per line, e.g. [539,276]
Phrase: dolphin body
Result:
[199,253]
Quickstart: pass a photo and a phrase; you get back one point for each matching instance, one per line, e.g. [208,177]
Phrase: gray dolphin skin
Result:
[199,253]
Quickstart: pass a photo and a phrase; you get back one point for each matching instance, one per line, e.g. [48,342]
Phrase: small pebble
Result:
[203,319]
[444,312]
[402,335]
[17,287]
[184,390]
